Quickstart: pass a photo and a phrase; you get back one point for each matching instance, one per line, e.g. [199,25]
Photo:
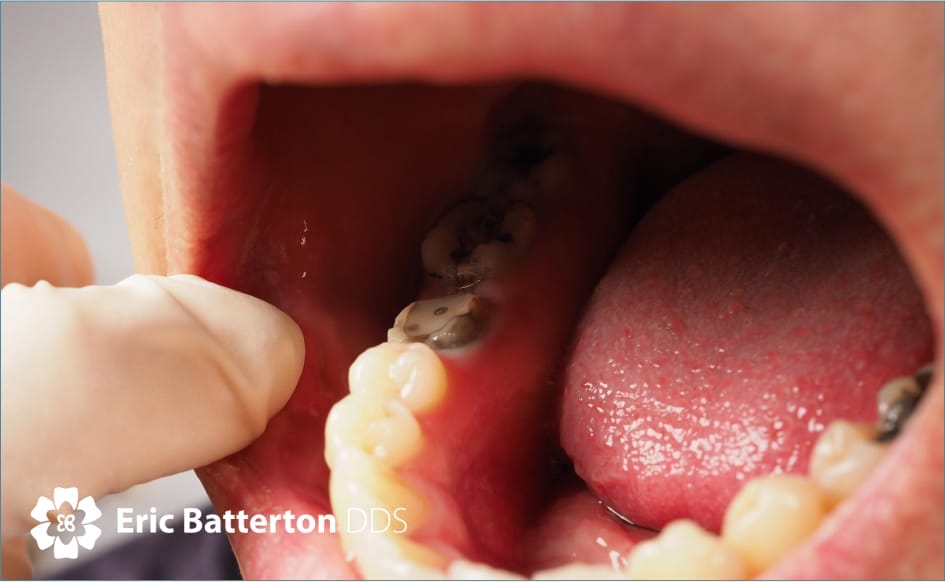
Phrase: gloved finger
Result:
[106,387]
[37,244]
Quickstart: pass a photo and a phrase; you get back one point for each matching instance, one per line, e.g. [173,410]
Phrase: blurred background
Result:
[56,147]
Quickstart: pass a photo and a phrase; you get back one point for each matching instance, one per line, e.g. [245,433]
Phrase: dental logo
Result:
[65,523]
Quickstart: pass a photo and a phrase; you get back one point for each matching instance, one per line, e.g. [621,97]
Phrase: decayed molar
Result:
[533,168]
[443,323]
[897,401]
[478,490]
[479,239]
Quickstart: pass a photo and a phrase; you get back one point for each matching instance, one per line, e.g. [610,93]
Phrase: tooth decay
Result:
[477,240]
[448,322]
[898,399]
[368,442]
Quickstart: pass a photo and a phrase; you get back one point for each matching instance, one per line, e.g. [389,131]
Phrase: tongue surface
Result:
[751,307]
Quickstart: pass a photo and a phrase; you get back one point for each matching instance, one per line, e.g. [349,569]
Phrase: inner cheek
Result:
[346,183]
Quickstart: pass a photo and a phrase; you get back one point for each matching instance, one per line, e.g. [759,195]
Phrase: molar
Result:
[898,399]
[843,457]
[479,239]
[443,323]
[770,516]
[685,551]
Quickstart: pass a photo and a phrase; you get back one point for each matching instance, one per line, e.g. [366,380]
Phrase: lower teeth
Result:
[768,518]
[449,322]
[480,241]
[898,399]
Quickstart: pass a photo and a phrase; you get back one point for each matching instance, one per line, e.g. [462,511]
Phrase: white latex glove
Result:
[104,387]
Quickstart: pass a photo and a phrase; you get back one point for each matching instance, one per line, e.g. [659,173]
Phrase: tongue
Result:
[750,308]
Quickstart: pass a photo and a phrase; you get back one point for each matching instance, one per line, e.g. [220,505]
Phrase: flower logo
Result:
[65,523]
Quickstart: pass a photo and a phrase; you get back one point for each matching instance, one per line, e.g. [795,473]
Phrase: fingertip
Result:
[291,359]
[267,345]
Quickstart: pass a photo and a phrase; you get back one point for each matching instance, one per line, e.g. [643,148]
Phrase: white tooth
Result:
[358,484]
[372,418]
[577,571]
[397,438]
[844,456]
[369,374]
[362,482]
[420,377]
[770,516]
[685,551]
[383,557]
[410,372]
[347,425]
[386,430]
[465,570]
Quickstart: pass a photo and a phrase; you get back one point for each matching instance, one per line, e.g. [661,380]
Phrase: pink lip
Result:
[768,77]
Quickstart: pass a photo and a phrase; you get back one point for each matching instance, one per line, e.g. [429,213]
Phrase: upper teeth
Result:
[477,240]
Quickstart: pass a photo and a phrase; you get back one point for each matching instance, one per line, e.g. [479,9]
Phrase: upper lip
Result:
[652,55]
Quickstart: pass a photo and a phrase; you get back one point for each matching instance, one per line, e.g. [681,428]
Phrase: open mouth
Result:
[613,347]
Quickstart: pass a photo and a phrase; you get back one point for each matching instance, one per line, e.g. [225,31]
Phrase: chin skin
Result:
[853,92]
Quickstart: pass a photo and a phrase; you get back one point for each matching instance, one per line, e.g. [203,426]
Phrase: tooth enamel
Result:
[577,571]
[372,424]
[420,376]
[466,570]
[685,551]
[360,481]
[442,323]
[770,516]
[360,485]
[347,425]
[385,557]
[844,456]
[477,240]
[397,438]
[370,375]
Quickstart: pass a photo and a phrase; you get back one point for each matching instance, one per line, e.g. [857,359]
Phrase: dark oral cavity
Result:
[344,185]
